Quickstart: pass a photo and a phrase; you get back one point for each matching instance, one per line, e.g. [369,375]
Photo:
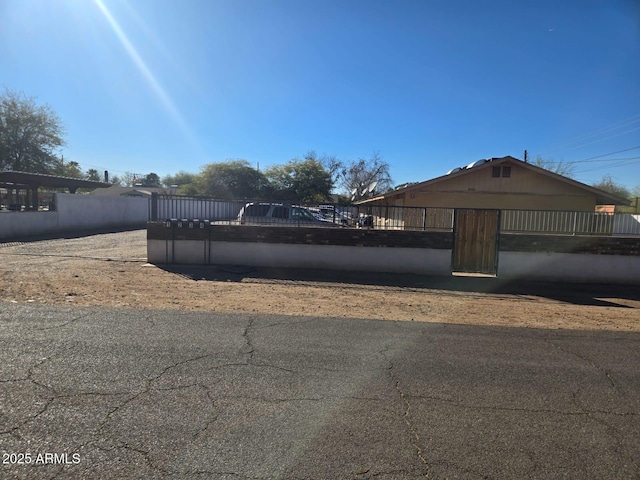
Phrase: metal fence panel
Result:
[626,224]
[176,206]
[392,217]
[558,222]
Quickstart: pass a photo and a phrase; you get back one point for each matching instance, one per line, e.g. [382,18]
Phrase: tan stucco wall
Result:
[500,201]
[523,190]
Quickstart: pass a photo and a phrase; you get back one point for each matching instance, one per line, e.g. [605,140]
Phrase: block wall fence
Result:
[583,259]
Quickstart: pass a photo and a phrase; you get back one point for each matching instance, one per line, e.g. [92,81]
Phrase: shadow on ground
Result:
[578,294]
[67,235]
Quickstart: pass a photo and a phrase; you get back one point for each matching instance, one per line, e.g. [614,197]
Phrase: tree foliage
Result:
[93,174]
[233,179]
[185,181]
[151,180]
[65,169]
[116,181]
[180,178]
[608,185]
[304,181]
[30,135]
[310,180]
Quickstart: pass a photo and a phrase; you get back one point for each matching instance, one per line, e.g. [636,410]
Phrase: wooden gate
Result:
[475,248]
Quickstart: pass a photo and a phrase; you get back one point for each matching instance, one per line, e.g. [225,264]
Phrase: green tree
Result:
[151,180]
[331,164]
[116,181]
[65,169]
[608,185]
[185,181]
[233,179]
[180,178]
[93,174]
[305,181]
[30,134]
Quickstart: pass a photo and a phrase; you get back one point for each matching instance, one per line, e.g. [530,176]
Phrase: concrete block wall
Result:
[74,213]
[570,258]
[587,259]
[327,248]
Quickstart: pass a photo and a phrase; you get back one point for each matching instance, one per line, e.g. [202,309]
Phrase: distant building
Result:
[499,183]
[137,191]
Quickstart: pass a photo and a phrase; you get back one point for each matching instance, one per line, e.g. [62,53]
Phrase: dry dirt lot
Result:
[110,269]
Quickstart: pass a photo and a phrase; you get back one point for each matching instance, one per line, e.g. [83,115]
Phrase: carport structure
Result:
[14,182]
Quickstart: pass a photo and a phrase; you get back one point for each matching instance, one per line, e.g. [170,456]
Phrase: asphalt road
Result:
[106,393]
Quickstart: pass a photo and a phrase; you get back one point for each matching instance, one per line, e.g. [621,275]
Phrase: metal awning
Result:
[33,181]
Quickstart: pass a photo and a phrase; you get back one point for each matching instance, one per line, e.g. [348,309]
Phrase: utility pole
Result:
[526,157]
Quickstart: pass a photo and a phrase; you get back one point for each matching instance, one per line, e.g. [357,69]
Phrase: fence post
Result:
[154,206]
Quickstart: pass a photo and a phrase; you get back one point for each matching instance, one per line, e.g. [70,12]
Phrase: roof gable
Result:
[465,178]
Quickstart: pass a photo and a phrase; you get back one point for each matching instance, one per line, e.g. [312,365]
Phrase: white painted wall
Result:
[556,267]
[77,212]
[570,267]
[335,257]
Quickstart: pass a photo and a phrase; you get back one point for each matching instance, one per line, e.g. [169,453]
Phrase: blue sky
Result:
[167,85]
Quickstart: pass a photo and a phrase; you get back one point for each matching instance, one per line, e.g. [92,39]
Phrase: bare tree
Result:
[332,164]
[566,169]
[366,177]
[128,179]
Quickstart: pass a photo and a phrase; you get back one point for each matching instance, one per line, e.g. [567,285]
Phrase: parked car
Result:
[333,214]
[280,214]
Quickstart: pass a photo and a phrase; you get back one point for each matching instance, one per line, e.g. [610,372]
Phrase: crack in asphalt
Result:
[588,361]
[213,419]
[149,387]
[259,365]
[614,431]
[69,322]
[48,401]
[248,348]
[405,415]
[583,411]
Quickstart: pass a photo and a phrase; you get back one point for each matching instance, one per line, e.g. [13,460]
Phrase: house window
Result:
[497,172]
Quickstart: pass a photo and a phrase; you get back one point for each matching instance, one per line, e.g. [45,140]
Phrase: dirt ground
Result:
[110,269]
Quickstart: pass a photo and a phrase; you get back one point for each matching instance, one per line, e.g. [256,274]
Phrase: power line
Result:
[615,126]
[607,154]
[620,164]
[593,159]
[605,138]
[608,160]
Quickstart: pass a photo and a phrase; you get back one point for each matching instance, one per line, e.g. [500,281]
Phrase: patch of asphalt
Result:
[158,394]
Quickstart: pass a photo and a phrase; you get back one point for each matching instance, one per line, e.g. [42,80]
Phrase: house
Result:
[499,183]
[136,191]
